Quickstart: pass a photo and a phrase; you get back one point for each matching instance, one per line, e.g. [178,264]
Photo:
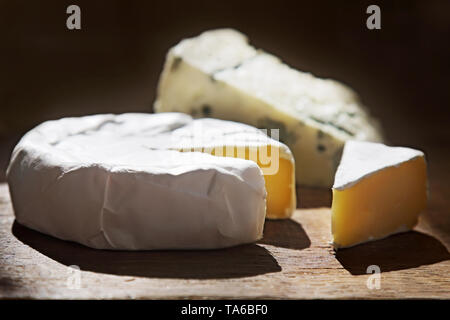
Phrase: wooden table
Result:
[293,261]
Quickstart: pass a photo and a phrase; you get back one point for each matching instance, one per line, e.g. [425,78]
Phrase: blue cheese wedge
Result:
[150,181]
[218,74]
[378,191]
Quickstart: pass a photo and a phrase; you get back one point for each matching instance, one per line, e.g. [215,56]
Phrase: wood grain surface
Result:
[294,260]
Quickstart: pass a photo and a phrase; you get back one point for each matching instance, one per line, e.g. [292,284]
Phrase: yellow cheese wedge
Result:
[378,191]
[238,140]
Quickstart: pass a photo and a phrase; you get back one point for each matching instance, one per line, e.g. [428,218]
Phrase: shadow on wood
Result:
[308,197]
[397,252]
[286,234]
[241,261]
[8,285]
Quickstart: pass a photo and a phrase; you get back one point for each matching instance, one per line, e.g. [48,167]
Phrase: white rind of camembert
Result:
[121,182]
[362,159]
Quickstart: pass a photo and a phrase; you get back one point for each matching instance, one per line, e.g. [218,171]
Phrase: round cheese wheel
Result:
[121,182]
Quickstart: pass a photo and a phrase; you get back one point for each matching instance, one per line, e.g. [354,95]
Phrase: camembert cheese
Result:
[218,74]
[378,191]
[150,181]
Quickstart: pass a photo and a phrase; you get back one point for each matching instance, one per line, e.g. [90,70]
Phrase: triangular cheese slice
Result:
[218,74]
[378,191]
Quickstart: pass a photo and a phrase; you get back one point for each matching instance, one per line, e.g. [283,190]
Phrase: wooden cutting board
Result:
[294,260]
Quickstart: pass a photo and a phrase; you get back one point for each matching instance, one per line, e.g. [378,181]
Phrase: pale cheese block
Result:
[218,74]
[378,191]
[121,182]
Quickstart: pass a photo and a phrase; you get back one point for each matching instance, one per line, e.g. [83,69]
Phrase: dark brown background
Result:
[113,63]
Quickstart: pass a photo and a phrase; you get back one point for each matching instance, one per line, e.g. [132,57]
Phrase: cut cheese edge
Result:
[231,139]
[123,182]
[379,191]
[218,74]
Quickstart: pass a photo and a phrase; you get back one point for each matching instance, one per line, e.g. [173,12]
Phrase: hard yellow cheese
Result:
[378,191]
